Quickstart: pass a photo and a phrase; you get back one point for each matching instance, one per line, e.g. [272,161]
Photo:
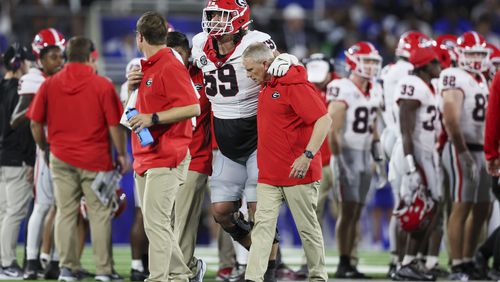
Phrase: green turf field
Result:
[372,262]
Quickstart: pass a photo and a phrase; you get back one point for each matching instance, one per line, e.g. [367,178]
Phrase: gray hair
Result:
[258,52]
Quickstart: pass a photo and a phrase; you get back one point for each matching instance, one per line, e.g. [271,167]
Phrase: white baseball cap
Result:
[317,71]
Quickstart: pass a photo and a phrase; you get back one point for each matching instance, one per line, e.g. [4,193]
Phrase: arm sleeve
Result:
[306,102]
[177,85]
[37,110]
[492,132]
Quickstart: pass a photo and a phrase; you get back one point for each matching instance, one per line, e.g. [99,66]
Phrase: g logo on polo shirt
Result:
[149,82]
[275,95]
[203,60]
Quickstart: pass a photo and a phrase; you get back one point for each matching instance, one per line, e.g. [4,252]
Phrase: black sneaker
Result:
[494,274]
[109,277]
[392,269]
[472,272]
[12,272]
[481,265]
[438,271]
[349,272]
[136,275]
[66,275]
[52,271]
[82,274]
[412,272]
[32,270]
[458,273]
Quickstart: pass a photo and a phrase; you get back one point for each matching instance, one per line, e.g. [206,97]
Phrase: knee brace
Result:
[241,227]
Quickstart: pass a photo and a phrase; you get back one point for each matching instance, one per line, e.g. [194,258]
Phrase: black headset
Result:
[14,56]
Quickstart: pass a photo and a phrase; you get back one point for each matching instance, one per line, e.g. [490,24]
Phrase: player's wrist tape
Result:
[412,167]
[377,151]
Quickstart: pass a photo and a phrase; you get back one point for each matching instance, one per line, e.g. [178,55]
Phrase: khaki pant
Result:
[157,190]
[189,201]
[70,184]
[302,201]
[325,188]
[15,195]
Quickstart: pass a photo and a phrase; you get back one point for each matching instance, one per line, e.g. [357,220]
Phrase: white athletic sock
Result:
[466,260]
[431,261]
[393,234]
[137,265]
[35,227]
[44,260]
[241,253]
[456,262]
[407,259]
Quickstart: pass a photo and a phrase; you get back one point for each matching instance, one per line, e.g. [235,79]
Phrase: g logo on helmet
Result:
[241,3]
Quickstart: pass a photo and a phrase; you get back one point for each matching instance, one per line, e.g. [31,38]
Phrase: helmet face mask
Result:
[363,60]
[225,17]
[472,52]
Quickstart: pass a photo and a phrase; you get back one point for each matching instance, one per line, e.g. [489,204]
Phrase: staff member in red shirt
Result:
[167,100]
[292,123]
[189,198]
[492,132]
[82,111]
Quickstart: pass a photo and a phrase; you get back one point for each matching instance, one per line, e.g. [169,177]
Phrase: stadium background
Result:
[328,26]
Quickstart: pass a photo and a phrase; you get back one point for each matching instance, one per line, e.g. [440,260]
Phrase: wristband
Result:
[411,163]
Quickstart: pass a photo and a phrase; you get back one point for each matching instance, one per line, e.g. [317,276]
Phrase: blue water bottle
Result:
[144,135]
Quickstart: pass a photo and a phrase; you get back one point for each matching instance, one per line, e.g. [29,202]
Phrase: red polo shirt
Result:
[166,84]
[201,145]
[78,107]
[492,131]
[287,109]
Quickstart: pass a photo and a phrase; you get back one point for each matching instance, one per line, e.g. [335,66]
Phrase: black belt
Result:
[472,147]
[475,147]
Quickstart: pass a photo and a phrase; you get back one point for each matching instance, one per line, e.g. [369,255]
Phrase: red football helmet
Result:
[472,52]
[119,203]
[363,59]
[494,59]
[47,37]
[225,17]
[416,214]
[444,46]
[411,40]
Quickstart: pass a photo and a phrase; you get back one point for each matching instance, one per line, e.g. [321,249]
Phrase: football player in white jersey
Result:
[47,47]
[217,52]
[464,90]
[390,76]
[413,155]
[353,109]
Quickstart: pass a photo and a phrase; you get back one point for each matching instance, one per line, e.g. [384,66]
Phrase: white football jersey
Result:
[390,75]
[361,111]
[232,94]
[475,90]
[31,81]
[412,87]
